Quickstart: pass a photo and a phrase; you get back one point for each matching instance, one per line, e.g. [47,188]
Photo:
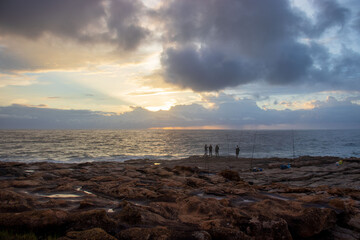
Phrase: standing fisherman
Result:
[217,150]
[210,150]
[237,151]
[206,150]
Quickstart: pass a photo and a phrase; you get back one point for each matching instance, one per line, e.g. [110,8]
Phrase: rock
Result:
[129,192]
[184,201]
[227,234]
[344,234]
[91,234]
[49,176]
[185,170]
[86,204]
[91,219]
[34,220]
[134,215]
[230,175]
[13,202]
[129,214]
[201,235]
[311,221]
[355,222]
[194,182]
[25,183]
[266,228]
[157,233]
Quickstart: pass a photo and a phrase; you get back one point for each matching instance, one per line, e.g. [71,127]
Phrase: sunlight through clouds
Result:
[157,56]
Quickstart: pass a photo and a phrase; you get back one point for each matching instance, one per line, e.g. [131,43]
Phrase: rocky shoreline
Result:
[193,198]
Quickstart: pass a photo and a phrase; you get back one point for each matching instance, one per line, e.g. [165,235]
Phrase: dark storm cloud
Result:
[124,19]
[258,39]
[330,14]
[204,69]
[356,24]
[346,69]
[251,25]
[34,18]
[291,64]
[75,20]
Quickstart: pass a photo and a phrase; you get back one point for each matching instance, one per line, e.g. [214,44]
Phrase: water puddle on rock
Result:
[60,195]
[243,200]
[275,196]
[139,203]
[205,195]
[79,189]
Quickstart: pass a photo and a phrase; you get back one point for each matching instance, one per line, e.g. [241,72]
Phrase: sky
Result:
[179,64]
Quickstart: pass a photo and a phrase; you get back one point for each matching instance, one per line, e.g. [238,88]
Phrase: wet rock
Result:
[126,191]
[91,234]
[187,203]
[185,170]
[86,204]
[91,219]
[49,176]
[164,173]
[266,228]
[344,234]
[311,221]
[224,233]
[355,223]
[134,215]
[201,235]
[54,203]
[157,233]
[13,202]
[165,209]
[25,183]
[129,214]
[34,220]
[230,175]
[194,182]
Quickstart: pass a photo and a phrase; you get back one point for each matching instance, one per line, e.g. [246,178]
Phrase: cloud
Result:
[208,45]
[356,23]
[329,14]
[125,20]
[86,21]
[15,80]
[12,60]
[57,35]
[230,113]
[204,69]
[222,44]
[32,19]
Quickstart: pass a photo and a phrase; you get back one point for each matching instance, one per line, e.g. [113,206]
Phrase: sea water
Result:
[120,145]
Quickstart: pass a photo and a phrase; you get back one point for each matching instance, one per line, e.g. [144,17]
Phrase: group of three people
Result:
[209,149]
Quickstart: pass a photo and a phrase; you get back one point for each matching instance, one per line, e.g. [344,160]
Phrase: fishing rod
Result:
[227,141]
[293,144]
[252,154]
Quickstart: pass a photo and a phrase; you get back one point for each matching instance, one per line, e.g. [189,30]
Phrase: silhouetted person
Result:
[206,150]
[216,150]
[237,150]
[210,150]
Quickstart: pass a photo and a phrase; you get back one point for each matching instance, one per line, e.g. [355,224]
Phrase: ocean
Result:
[120,145]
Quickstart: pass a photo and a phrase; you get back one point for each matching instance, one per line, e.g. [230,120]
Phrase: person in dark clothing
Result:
[237,151]
[210,150]
[206,150]
[217,150]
